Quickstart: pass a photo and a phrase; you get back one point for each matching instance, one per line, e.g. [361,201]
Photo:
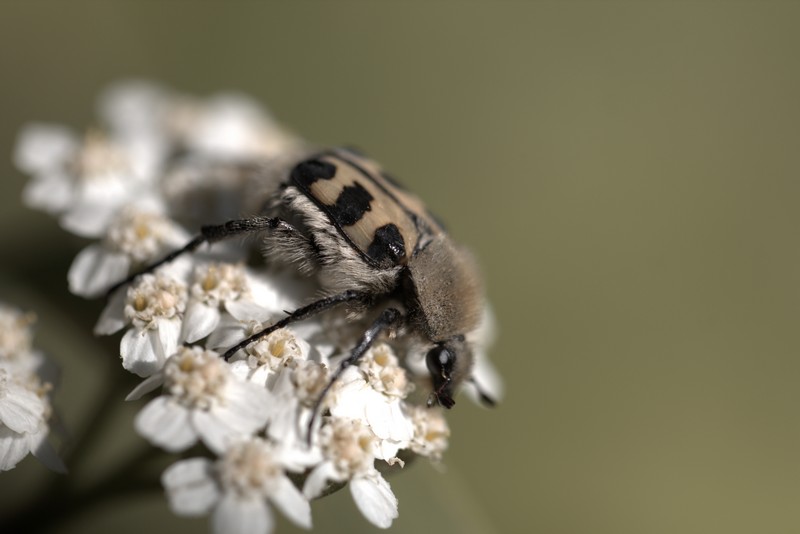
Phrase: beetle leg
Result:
[387,318]
[212,234]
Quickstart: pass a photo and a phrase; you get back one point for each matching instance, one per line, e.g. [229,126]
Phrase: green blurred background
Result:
[628,174]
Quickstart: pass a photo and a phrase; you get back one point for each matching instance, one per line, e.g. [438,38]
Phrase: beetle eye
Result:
[440,363]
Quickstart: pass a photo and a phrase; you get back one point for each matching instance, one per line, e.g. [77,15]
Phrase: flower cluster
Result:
[160,165]
[26,380]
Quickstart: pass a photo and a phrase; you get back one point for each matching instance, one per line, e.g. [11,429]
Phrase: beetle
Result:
[372,245]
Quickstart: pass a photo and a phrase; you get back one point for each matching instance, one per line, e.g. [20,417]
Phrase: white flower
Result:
[137,235]
[154,306]
[85,182]
[381,370]
[24,403]
[294,389]
[237,488]
[218,288]
[485,379]
[265,301]
[349,449]
[24,411]
[230,126]
[15,334]
[21,408]
[373,392]
[430,432]
[202,399]
[46,152]
[279,363]
[264,358]
[309,379]
[137,109]
[17,357]
[164,162]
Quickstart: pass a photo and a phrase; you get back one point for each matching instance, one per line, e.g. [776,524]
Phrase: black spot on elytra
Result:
[307,172]
[353,202]
[388,246]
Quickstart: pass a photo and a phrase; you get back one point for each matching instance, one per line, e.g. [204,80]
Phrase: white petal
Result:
[375,500]
[138,352]
[240,369]
[21,409]
[13,448]
[296,456]
[244,412]
[213,430]
[112,318]
[352,396]
[317,480]
[485,378]
[43,147]
[284,423]
[487,381]
[386,449]
[58,427]
[307,330]
[379,417]
[145,155]
[133,107]
[247,310]
[91,219]
[228,333]
[180,268]
[199,321]
[260,375]
[107,192]
[388,421]
[246,405]
[236,515]
[51,192]
[191,489]
[148,384]
[169,331]
[148,201]
[291,503]
[229,127]
[45,453]
[279,291]
[95,269]
[166,423]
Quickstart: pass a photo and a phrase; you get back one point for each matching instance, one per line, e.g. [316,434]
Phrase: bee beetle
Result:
[371,244]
